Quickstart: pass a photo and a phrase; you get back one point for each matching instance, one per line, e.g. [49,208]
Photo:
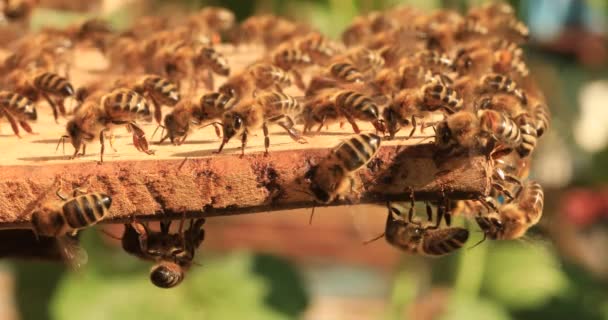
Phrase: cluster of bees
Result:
[461,76]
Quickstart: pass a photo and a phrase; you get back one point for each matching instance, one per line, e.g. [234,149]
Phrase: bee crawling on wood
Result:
[173,253]
[18,110]
[253,114]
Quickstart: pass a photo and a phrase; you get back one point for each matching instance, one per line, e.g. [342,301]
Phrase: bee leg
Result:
[209,80]
[52,104]
[413,120]
[297,77]
[158,112]
[112,139]
[13,123]
[429,212]
[165,226]
[102,141]
[26,126]
[266,139]
[288,125]
[217,130]
[321,124]
[352,122]
[61,105]
[139,138]
[244,143]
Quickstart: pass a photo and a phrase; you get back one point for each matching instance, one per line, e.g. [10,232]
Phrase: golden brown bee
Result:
[216,62]
[172,253]
[366,59]
[438,93]
[268,108]
[161,92]
[415,238]
[500,83]
[435,61]
[346,72]
[500,127]
[267,76]
[187,115]
[333,104]
[513,219]
[50,84]
[317,46]
[18,110]
[542,117]
[56,218]
[403,110]
[240,86]
[95,118]
[528,134]
[460,129]
[332,177]
[291,59]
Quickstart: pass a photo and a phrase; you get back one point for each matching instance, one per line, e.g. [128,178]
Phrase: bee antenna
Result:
[312,213]
[61,140]
[479,242]
[161,133]
[366,242]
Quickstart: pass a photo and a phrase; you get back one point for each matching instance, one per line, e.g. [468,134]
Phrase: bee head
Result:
[166,274]
[232,125]
[74,133]
[321,195]
[174,129]
[390,121]
[47,222]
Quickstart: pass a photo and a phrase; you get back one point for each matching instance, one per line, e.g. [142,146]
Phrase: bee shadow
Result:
[51,141]
[45,158]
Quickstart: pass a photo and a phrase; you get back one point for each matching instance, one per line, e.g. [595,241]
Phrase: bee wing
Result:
[74,255]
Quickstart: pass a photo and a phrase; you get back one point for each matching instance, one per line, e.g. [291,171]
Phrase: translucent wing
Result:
[74,255]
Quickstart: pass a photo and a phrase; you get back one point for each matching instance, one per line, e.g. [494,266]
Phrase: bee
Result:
[239,86]
[268,108]
[54,218]
[434,61]
[18,10]
[161,92]
[366,59]
[290,59]
[438,93]
[93,118]
[513,219]
[18,110]
[500,127]
[317,46]
[403,110]
[187,115]
[173,254]
[542,118]
[415,238]
[334,104]
[499,83]
[332,177]
[528,134]
[215,61]
[346,72]
[51,84]
[460,129]
[267,75]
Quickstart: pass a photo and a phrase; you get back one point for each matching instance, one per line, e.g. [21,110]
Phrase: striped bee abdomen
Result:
[54,83]
[358,150]
[86,210]
[444,241]
[18,105]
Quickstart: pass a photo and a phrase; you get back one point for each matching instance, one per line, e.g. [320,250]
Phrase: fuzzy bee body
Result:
[215,60]
[18,105]
[267,75]
[528,135]
[125,105]
[345,71]
[502,128]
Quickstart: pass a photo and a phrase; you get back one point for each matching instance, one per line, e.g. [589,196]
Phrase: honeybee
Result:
[500,127]
[63,219]
[403,110]
[333,104]
[460,129]
[434,61]
[415,238]
[18,10]
[161,92]
[291,59]
[333,177]
[214,61]
[18,110]
[499,83]
[173,254]
[49,85]
[239,86]
[54,218]
[266,76]
[528,134]
[92,118]
[438,93]
[187,115]
[366,59]
[268,108]
[346,72]
[513,219]
[317,46]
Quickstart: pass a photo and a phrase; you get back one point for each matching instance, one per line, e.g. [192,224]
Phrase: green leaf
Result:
[523,276]
[470,308]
